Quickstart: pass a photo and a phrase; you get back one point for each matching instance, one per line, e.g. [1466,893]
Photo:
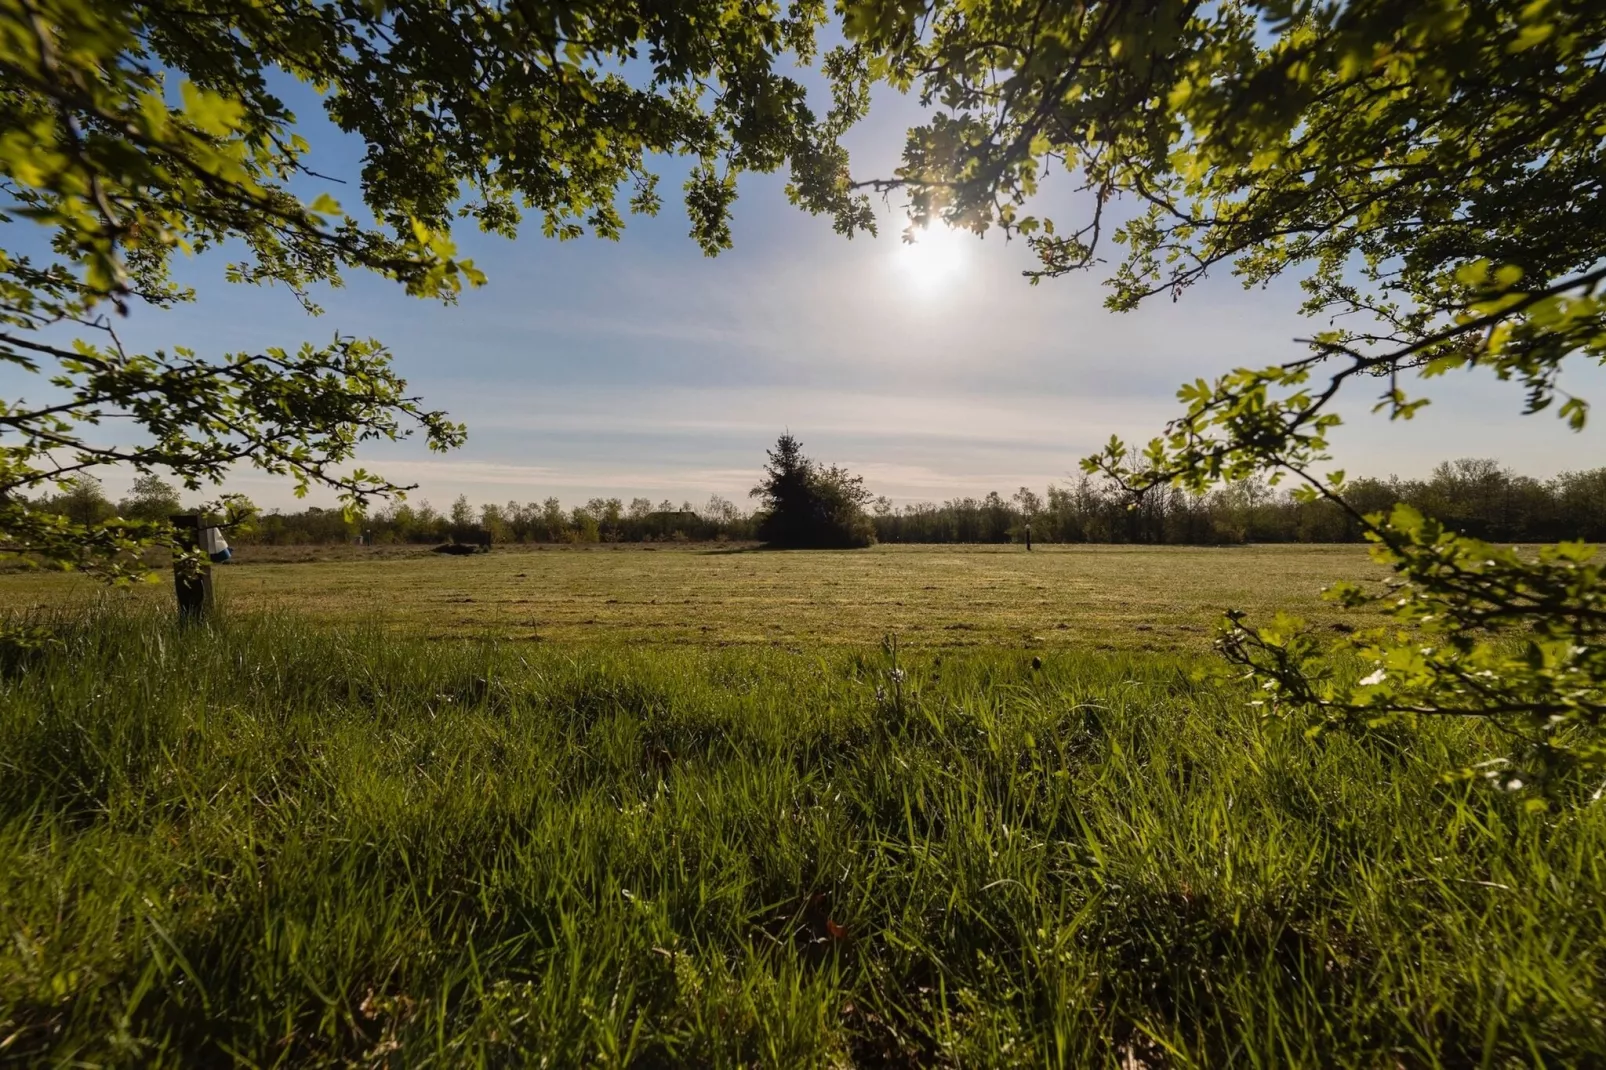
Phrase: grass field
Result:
[1095,598]
[336,839]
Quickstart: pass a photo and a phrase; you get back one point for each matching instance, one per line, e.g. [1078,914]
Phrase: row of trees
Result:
[85,501]
[598,520]
[808,504]
[1475,497]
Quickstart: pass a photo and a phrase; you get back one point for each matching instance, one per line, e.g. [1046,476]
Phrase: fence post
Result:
[192,583]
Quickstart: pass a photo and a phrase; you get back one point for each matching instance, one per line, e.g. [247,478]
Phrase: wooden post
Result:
[193,586]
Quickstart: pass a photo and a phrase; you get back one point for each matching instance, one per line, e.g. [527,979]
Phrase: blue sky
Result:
[644,368]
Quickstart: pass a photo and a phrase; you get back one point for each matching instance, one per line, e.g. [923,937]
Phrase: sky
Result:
[643,368]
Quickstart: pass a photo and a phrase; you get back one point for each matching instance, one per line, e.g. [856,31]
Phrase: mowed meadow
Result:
[911,806]
[1095,598]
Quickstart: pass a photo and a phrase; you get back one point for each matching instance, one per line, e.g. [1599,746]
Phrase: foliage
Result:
[1451,595]
[1471,496]
[277,844]
[806,505]
[82,500]
[1437,170]
[150,498]
[133,131]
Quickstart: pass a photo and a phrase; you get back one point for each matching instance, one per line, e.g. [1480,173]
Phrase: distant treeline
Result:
[599,520]
[1476,497]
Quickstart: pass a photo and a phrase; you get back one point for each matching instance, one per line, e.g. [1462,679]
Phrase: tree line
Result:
[1473,496]
[404,521]
[1477,497]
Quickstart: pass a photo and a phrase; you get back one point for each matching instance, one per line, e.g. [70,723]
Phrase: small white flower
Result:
[1376,678]
[897,676]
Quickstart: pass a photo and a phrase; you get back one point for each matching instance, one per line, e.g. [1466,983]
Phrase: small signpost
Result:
[192,579]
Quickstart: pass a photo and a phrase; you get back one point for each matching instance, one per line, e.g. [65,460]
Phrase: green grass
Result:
[1084,597]
[275,842]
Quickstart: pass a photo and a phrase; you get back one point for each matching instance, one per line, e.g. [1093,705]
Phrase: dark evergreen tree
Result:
[809,506]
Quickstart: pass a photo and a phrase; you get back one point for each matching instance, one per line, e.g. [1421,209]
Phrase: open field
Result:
[276,843]
[711,821]
[1091,597]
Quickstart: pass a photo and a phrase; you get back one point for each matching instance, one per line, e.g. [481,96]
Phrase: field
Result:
[387,828]
[1089,598]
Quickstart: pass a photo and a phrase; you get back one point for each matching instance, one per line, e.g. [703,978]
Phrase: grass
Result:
[1089,598]
[275,842]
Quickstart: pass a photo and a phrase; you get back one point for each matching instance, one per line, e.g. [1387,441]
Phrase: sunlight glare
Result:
[934,259]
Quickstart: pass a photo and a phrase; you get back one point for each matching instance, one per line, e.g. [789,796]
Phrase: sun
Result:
[934,259]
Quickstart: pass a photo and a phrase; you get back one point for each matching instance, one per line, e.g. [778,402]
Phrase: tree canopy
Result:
[131,131]
[1432,171]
